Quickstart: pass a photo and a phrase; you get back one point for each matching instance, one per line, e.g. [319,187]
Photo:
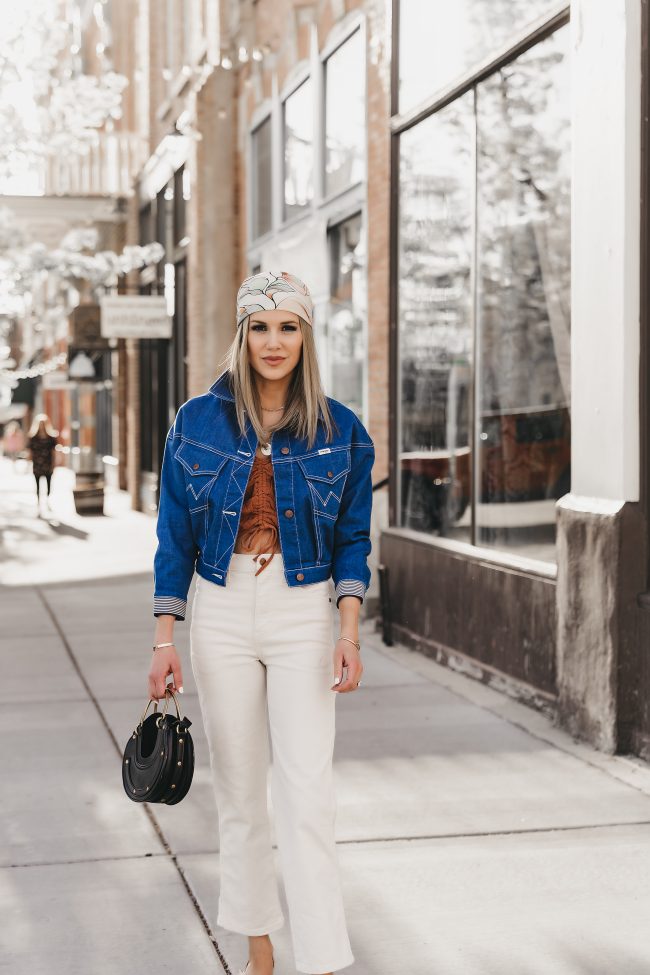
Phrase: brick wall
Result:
[222,112]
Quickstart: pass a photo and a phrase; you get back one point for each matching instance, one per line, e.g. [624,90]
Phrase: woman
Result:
[42,441]
[266,493]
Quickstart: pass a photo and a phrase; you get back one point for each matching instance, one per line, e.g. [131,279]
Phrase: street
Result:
[474,837]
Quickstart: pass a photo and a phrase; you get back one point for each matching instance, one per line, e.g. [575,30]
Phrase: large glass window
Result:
[346,320]
[484,308]
[439,40]
[261,221]
[435,253]
[298,141]
[523,379]
[345,115]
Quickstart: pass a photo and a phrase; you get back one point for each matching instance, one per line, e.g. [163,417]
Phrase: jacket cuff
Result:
[163,605]
[349,587]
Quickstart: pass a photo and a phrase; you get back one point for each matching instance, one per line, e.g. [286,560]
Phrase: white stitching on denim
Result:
[293,502]
[237,467]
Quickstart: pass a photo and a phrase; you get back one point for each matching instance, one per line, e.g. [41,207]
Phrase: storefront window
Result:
[347,316]
[524,299]
[484,308]
[261,185]
[298,150]
[439,40]
[435,329]
[345,115]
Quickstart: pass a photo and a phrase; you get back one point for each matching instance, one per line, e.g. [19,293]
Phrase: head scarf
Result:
[270,289]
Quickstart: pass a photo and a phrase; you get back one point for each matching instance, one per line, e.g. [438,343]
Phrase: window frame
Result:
[340,37]
[260,119]
[521,41]
[304,76]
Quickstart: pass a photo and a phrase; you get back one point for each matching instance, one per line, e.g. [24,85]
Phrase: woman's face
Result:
[274,342]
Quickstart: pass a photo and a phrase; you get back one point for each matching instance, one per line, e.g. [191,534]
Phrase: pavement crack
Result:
[118,748]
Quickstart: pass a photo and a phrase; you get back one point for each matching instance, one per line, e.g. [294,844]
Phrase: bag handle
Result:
[169,691]
[141,721]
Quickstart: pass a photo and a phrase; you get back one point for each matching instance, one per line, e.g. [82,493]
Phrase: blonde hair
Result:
[306,402]
[36,422]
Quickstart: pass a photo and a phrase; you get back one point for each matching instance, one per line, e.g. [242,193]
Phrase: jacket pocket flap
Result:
[199,460]
[326,467]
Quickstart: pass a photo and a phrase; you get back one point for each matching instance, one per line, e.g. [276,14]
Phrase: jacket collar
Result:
[221,387]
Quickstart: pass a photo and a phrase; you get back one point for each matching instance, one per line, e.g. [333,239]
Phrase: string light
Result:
[33,372]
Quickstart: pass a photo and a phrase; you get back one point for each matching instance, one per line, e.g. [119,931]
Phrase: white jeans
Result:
[262,659]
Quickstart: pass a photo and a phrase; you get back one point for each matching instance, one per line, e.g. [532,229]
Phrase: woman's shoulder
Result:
[349,422]
[197,408]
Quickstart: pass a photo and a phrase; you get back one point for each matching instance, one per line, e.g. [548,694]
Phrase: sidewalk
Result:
[475,838]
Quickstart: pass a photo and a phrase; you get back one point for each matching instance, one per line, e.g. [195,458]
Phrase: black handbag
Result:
[158,760]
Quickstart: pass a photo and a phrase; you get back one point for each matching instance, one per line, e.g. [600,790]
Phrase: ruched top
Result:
[258,523]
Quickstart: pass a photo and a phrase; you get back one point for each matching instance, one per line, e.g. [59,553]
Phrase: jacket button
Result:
[195,467]
[329,474]
[300,576]
[289,513]
[284,450]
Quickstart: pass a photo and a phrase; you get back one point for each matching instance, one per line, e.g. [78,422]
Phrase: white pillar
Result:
[605,227]
[600,540]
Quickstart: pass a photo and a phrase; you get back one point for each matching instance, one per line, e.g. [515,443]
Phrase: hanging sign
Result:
[85,327]
[135,317]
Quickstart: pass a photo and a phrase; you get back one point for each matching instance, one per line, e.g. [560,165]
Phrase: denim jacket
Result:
[323,499]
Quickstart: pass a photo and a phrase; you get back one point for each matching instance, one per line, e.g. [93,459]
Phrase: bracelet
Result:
[157,646]
[350,640]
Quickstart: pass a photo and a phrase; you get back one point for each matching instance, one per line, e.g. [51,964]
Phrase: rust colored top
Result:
[258,524]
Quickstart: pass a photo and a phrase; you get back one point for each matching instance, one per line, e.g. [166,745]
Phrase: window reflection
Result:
[435,247]
[261,202]
[345,127]
[347,313]
[439,40]
[298,150]
[524,298]
[519,261]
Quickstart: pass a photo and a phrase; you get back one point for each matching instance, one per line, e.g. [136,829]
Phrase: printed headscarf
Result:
[267,290]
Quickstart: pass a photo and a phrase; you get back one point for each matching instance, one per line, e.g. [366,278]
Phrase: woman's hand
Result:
[165,662]
[346,655]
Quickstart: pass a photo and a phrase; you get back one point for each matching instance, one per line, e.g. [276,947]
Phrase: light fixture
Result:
[257,54]
[81,367]
[226,63]
[243,54]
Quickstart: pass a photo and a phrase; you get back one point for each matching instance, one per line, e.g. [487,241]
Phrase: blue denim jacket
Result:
[323,499]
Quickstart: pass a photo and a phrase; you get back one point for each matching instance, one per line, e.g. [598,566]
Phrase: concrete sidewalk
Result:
[475,838]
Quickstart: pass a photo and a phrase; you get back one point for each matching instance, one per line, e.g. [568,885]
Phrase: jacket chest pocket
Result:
[201,467]
[326,475]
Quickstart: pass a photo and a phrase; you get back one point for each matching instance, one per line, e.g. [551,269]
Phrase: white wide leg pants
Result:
[261,653]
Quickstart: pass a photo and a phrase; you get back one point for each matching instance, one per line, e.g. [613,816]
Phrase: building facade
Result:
[463,186]
[517,545]
[269,147]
